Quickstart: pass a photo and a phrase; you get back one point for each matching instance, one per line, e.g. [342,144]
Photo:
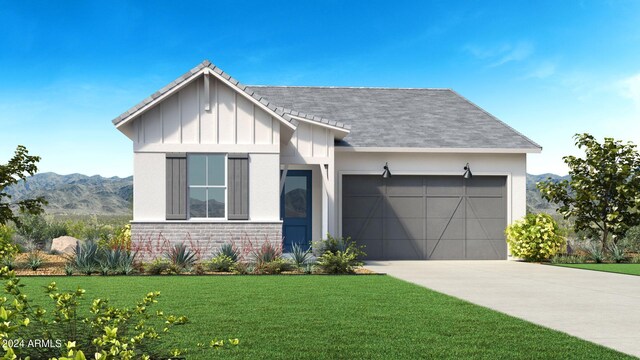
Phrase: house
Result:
[216,160]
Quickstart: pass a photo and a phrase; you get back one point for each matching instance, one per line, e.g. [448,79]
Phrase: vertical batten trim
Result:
[253,125]
[180,116]
[235,117]
[144,129]
[217,120]
[161,124]
[199,113]
[207,102]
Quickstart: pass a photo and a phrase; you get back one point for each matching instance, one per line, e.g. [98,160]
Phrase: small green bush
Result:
[242,268]
[7,248]
[536,237]
[221,263]
[338,262]
[567,259]
[157,267]
[631,240]
[121,239]
[275,266]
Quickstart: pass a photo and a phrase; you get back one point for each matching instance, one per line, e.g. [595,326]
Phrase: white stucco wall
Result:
[149,189]
[514,166]
[264,185]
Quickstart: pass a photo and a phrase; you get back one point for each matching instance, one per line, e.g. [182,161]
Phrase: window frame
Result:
[225,187]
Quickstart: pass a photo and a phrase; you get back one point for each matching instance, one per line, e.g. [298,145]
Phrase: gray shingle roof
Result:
[388,117]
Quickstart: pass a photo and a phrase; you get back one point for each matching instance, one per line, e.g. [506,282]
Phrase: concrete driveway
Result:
[596,306]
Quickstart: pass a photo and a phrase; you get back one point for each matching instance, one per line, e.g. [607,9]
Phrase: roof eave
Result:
[440,150]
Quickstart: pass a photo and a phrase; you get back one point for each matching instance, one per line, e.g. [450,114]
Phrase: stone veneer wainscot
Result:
[206,235]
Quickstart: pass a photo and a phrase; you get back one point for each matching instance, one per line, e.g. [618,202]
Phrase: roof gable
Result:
[206,68]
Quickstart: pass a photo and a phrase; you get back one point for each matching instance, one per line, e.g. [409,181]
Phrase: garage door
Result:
[426,217]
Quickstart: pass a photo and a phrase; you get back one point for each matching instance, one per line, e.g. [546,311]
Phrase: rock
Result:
[64,244]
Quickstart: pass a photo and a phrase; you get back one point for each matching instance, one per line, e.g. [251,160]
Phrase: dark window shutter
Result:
[238,187]
[176,186]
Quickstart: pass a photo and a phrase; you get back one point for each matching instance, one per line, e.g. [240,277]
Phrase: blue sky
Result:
[547,68]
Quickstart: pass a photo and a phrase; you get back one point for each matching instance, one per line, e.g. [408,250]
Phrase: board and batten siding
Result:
[182,118]
[309,141]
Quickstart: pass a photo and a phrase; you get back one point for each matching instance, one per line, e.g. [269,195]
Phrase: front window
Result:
[207,185]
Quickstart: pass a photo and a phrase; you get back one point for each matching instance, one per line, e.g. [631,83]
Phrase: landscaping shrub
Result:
[8,249]
[69,269]
[275,266]
[34,260]
[617,253]
[107,333]
[332,244]
[242,268]
[567,259]
[121,239]
[536,237]
[230,251]
[266,253]
[37,230]
[86,257]
[116,261]
[221,263]
[157,267]
[300,256]
[635,259]
[631,240]
[594,251]
[339,255]
[338,262]
[9,262]
[180,257]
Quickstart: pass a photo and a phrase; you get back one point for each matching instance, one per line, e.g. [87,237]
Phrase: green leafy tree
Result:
[603,193]
[18,168]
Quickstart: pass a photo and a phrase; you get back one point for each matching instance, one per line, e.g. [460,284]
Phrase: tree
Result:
[18,168]
[603,193]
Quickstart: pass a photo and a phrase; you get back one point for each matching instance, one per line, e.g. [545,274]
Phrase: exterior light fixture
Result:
[386,174]
[467,172]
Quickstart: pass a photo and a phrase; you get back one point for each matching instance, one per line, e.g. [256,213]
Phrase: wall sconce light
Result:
[386,174]
[467,172]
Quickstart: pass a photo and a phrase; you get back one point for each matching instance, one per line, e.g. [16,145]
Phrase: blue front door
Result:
[295,209]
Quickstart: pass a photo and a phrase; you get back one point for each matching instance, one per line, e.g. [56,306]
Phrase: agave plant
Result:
[229,250]
[617,253]
[86,257]
[34,260]
[181,256]
[594,251]
[300,256]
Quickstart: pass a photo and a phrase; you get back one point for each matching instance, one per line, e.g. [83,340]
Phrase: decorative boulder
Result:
[64,244]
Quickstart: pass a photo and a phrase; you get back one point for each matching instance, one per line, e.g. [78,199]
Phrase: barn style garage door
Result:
[426,217]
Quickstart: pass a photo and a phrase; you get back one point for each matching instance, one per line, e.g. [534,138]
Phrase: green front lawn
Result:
[629,269]
[330,317]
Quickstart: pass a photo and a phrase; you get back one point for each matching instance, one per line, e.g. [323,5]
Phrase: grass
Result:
[330,317]
[629,269]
